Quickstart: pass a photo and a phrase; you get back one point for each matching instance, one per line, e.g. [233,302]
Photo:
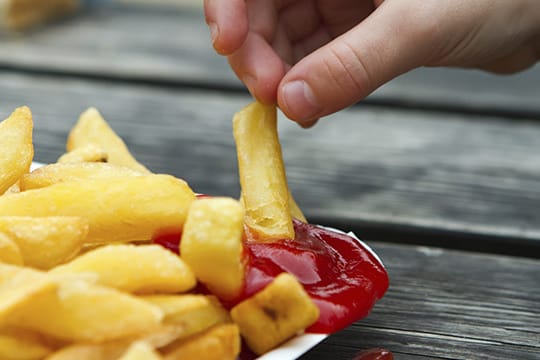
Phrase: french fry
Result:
[13,189]
[9,251]
[87,153]
[191,314]
[17,149]
[16,344]
[56,173]
[93,129]
[90,351]
[275,314]
[18,286]
[221,342]
[262,173]
[119,209]
[162,336]
[80,311]
[145,268]
[212,244]
[112,350]
[140,351]
[45,242]
[296,211]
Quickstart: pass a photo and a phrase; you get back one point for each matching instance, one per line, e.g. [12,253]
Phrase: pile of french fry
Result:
[81,279]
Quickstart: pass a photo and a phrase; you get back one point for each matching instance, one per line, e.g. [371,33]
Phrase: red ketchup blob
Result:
[375,354]
[342,277]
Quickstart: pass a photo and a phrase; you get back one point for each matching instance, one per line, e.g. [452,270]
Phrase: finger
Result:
[353,65]
[228,23]
[259,67]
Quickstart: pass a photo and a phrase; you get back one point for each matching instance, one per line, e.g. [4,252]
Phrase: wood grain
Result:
[445,304]
[170,44]
[364,168]
[438,157]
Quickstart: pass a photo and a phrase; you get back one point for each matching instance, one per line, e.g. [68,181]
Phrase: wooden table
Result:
[439,170]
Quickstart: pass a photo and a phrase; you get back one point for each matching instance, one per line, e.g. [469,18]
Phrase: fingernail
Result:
[214,31]
[300,102]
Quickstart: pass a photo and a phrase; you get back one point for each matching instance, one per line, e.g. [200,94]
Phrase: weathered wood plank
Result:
[445,304]
[171,45]
[367,166]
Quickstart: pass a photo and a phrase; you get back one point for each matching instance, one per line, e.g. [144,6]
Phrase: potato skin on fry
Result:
[118,210]
[17,148]
[275,314]
[262,174]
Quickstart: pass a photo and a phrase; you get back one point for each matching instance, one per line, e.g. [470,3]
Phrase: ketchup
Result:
[375,354]
[342,277]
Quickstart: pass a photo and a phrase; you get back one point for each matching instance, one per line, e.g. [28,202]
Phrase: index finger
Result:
[228,23]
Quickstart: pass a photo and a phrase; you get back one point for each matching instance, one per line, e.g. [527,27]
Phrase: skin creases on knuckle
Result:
[349,77]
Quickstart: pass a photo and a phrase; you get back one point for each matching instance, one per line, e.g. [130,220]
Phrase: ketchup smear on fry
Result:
[341,276]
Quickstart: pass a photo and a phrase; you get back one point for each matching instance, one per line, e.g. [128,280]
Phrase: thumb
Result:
[344,71]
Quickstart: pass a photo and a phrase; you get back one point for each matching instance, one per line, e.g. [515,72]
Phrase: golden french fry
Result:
[9,251]
[18,286]
[16,344]
[140,350]
[111,350]
[262,173]
[190,314]
[17,149]
[212,244]
[56,173]
[119,209]
[275,314]
[162,336]
[80,311]
[221,342]
[93,129]
[45,242]
[143,269]
[87,153]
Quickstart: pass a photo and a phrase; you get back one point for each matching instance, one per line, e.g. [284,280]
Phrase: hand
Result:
[314,57]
